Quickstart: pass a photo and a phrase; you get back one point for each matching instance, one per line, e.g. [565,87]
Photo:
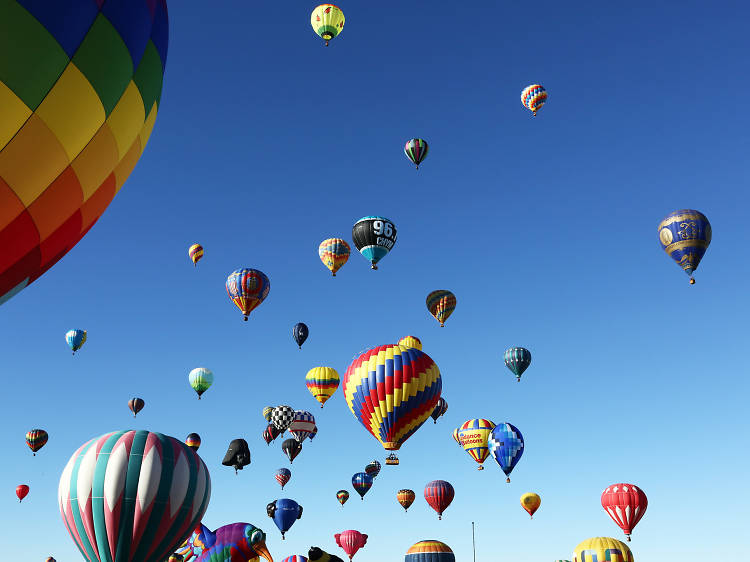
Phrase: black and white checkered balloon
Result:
[282,417]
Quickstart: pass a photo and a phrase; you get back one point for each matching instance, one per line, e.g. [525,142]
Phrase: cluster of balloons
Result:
[300,424]
[481,437]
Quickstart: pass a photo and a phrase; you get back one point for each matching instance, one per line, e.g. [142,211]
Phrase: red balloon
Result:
[22,491]
[625,504]
[136,405]
[351,541]
[439,494]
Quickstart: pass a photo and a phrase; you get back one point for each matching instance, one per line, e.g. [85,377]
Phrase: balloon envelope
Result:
[342,496]
[283,475]
[300,333]
[75,339]
[506,445]
[327,21]
[238,542]
[626,504]
[132,495]
[416,150]
[517,359]
[282,417]
[405,497]
[196,253]
[533,97]
[238,454]
[334,253]
[430,551]
[136,405]
[322,382]
[302,425]
[440,408]
[200,380]
[473,436]
[602,548]
[411,341]
[439,494]
[351,541]
[362,482]
[36,439]
[248,288]
[267,411]
[373,468]
[284,513]
[291,448]
[441,304]
[531,502]
[193,441]
[685,236]
[374,237]
[22,490]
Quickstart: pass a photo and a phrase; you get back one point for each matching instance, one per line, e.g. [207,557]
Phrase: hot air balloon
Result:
[300,333]
[200,380]
[351,541]
[295,558]
[327,21]
[374,237]
[506,445]
[531,502]
[36,439]
[334,253]
[430,551]
[22,490]
[455,436]
[626,504]
[602,548]
[405,497]
[302,425]
[373,468]
[313,433]
[411,341]
[440,409]
[238,455]
[247,288]
[473,435]
[270,433]
[284,513]
[50,559]
[517,359]
[362,482]
[136,405]
[283,475]
[74,338]
[243,542]
[193,441]
[322,382]
[342,496]
[383,409]
[439,494]
[416,150]
[267,411]
[133,495]
[533,97]
[315,554]
[282,417]
[82,87]
[196,253]
[685,236]
[291,448]
[441,304]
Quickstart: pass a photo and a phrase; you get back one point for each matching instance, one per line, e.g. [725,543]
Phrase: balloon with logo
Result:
[362,482]
[302,425]
[247,288]
[193,441]
[533,97]
[200,380]
[291,448]
[132,495]
[626,504]
[473,435]
[441,304]
[411,341]
[506,445]
[75,339]
[439,494]
[195,252]
[283,475]
[685,236]
[22,490]
[602,548]
[342,496]
[430,551]
[517,359]
[322,382]
[416,150]
[455,436]
[36,439]
[351,541]
[327,21]
[136,405]
[405,497]
[284,513]
[373,468]
[81,87]
[531,502]
[440,409]
[334,253]
[300,333]
[374,237]
[404,404]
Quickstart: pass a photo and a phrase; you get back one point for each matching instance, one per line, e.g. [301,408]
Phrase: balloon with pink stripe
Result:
[132,495]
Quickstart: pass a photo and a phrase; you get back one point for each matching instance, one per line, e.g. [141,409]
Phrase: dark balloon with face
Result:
[238,455]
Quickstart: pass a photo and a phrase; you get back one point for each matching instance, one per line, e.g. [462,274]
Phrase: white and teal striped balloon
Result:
[133,495]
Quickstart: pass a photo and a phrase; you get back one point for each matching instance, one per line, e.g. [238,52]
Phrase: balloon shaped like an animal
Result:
[81,86]
[351,541]
[238,455]
[132,495]
[238,542]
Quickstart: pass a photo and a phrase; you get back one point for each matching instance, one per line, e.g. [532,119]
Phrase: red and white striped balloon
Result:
[132,495]
[625,504]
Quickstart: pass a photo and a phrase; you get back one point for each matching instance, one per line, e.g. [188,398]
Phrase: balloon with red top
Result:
[626,504]
[351,541]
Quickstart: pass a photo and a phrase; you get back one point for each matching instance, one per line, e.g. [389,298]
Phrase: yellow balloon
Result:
[322,382]
[411,341]
[602,548]
[531,502]
[473,435]
[327,20]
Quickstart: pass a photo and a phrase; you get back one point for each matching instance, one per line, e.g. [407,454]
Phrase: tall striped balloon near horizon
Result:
[132,495]
[80,87]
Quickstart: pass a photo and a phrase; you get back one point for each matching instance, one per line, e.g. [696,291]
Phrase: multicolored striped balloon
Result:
[327,21]
[322,382]
[517,359]
[473,435]
[392,390]
[295,558]
[75,339]
[36,439]
[411,341]
[373,468]
[196,253]
[132,495]
[334,253]
[416,150]
[439,494]
[506,445]
[441,304]
[533,97]
[430,551]
[81,85]
[342,496]
[685,236]
[405,497]
[267,411]
[247,288]
[136,405]
[362,482]
[193,441]
[602,548]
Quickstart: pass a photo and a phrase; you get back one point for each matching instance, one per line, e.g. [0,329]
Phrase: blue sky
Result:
[544,228]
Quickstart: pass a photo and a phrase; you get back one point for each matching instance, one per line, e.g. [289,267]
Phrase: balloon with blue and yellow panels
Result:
[685,236]
[374,237]
[599,549]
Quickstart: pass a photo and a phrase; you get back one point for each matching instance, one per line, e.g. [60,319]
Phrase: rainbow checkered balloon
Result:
[80,84]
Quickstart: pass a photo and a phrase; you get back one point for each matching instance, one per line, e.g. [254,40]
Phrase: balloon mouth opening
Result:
[327,35]
[391,446]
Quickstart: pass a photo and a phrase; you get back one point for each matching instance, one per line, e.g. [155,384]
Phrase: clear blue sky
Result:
[545,229]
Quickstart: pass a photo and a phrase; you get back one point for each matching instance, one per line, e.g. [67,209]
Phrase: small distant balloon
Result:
[362,482]
[685,236]
[334,253]
[342,496]
[295,558]
[238,455]
[531,502]
[22,490]
[193,441]
[322,383]
[517,359]
[300,333]
[267,411]
[270,433]
[327,21]
[36,439]
[533,97]
[200,380]
[75,339]
[291,448]
[473,436]
[405,497]
[439,494]
[136,405]
[247,288]
[373,468]
[440,409]
[441,304]
[626,504]
[196,253]
[416,150]
[282,417]
[302,425]
[351,541]
[374,237]
[411,341]
[602,548]
[282,476]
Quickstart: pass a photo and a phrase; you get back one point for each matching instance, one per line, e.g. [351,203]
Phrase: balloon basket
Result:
[507,480]
[692,281]
[480,467]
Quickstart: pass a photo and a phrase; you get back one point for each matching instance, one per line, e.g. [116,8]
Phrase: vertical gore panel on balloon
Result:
[58,202]
[126,165]
[96,162]
[95,205]
[127,119]
[73,111]
[13,114]
[31,46]
[10,207]
[32,160]
[148,77]
[18,239]
[160,30]
[132,19]
[54,246]
[108,75]
[55,17]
